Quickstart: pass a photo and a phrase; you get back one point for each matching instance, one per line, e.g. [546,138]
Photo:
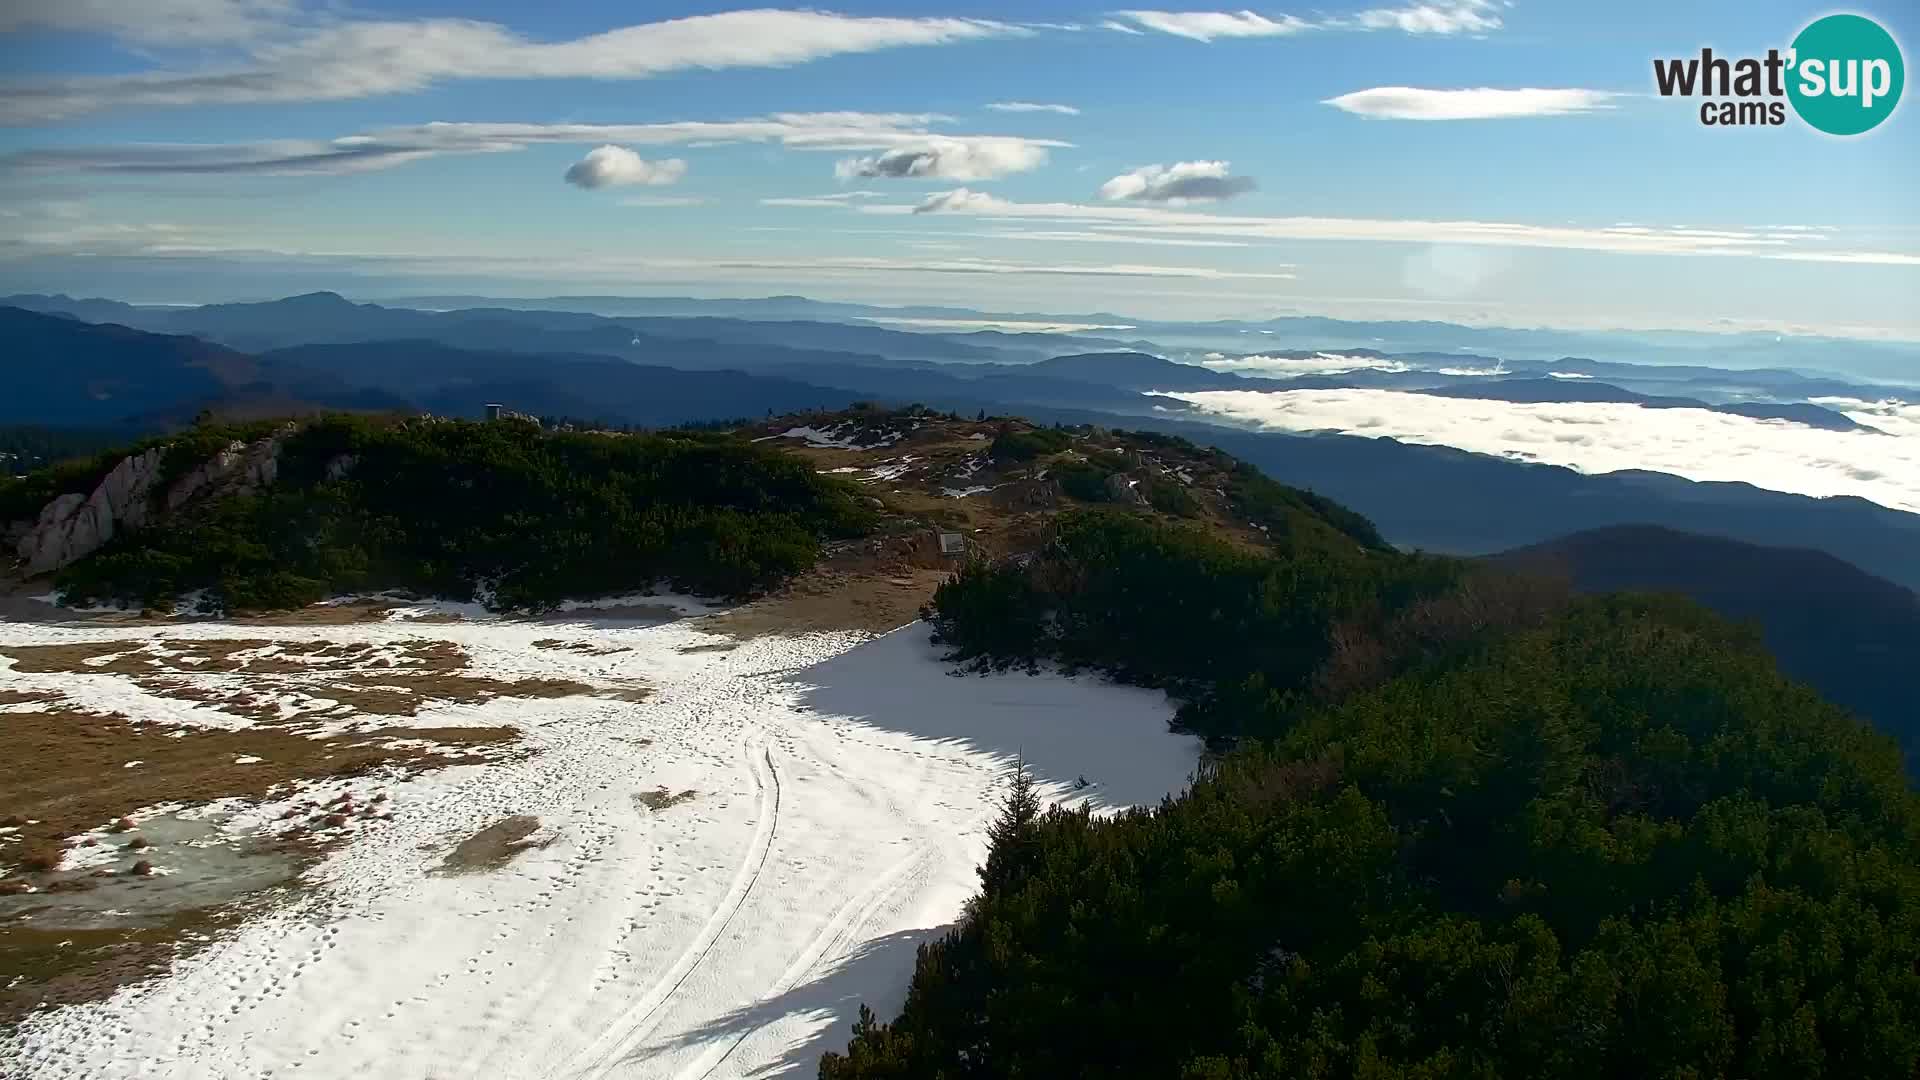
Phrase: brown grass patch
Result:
[388,695]
[584,648]
[371,693]
[252,656]
[625,693]
[353,611]
[452,736]
[494,846]
[717,646]
[67,767]
[41,968]
[661,799]
[826,599]
[29,697]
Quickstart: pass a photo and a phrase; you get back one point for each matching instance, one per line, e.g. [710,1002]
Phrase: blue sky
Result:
[1193,162]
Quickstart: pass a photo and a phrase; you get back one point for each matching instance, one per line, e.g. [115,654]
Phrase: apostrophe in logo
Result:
[1847,74]
[1843,75]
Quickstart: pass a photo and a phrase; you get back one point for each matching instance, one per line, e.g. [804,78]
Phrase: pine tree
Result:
[1010,836]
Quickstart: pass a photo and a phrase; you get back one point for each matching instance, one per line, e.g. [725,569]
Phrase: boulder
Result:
[1026,495]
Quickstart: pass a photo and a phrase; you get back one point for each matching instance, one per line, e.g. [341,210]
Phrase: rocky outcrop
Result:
[76,525]
[238,469]
[1022,495]
[1122,490]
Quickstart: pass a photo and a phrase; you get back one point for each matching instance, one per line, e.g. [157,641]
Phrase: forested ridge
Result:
[1469,827]
[501,512]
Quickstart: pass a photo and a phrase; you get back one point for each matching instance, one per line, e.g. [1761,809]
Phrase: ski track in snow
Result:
[843,787]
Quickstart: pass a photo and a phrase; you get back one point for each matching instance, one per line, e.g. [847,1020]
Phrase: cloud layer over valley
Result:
[1882,465]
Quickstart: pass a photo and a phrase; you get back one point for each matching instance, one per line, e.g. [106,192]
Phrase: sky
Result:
[1473,161]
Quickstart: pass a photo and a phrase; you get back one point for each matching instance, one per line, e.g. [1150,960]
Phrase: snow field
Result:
[842,786]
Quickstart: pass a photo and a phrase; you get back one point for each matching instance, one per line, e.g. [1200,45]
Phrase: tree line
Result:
[501,512]
[1463,826]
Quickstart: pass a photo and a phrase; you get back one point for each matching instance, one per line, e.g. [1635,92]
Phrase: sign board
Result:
[952,543]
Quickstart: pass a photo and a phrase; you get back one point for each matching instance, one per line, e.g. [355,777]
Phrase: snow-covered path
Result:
[842,786]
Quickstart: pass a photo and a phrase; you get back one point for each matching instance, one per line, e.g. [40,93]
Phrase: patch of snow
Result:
[189,603]
[132,764]
[53,599]
[248,759]
[961,493]
[817,438]
[890,471]
[428,609]
[88,857]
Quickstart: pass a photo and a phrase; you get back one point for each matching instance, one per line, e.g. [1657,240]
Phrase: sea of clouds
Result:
[1882,465]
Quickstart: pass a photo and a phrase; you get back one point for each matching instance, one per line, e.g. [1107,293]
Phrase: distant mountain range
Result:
[321,351]
[1721,357]
[73,374]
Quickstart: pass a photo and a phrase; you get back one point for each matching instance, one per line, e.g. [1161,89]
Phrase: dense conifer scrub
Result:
[498,511]
[1471,828]
[1217,625]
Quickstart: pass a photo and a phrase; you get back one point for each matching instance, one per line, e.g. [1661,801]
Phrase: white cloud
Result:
[1208,25]
[1448,17]
[1890,415]
[1084,237]
[1292,367]
[1440,17]
[942,158]
[388,147]
[838,198]
[1481,103]
[1177,184]
[960,200]
[1033,107]
[334,59]
[617,166]
[1607,437]
[1626,240]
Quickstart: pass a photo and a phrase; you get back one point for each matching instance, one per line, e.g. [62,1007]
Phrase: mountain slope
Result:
[71,373]
[1488,832]
[1850,635]
[1139,371]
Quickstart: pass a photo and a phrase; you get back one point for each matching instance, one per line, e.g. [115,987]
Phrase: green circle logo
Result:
[1846,74]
